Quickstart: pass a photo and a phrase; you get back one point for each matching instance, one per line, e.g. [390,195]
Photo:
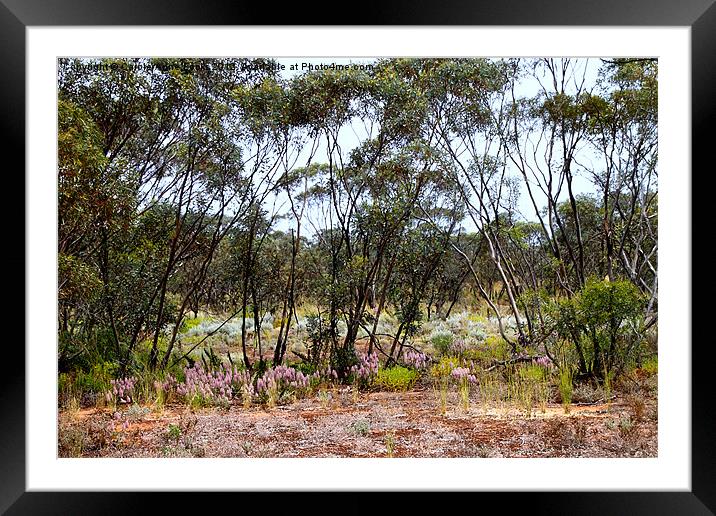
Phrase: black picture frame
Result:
[699,15]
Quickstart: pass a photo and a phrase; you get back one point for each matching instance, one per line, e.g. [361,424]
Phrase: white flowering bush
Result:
[476,331]
[441,338]
[231,329]
[457,322]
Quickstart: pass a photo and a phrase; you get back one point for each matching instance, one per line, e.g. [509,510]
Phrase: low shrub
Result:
[201,387]
[604,322]
[441,340]
[360,427]
[365,370]
[396,378]
[651,365]
[280,380]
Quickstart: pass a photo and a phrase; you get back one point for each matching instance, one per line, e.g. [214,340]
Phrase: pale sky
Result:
[351,136]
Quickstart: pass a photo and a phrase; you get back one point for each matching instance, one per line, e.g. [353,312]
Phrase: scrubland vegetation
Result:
[426,257]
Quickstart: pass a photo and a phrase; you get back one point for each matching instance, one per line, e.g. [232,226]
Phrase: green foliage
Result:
[174,432]
[210,359]
[320,335]
[603,322]
[494,348]
[190,322]
[342,359]
[534,373]
[444,367]
[361,427]
[651,365]
[396,378]
[565,386]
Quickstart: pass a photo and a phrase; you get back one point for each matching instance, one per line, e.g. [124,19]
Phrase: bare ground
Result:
[373,424]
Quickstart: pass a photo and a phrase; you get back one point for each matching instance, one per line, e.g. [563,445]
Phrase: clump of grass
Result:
[533,387]
[608,375]
[440,386]
[651,365]
[489,390]
[390,443]
[173,432]
[627,428]
[324,397]
[637,407]
[543,392]
[526,397]
[71,442]
[136,412]
[565,387]
[465,379]
[440,373]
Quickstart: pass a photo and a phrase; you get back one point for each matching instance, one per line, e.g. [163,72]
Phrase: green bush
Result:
[396,378]
[651,365]
[604,323]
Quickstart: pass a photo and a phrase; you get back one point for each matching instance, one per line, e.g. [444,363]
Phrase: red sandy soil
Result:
[365,425]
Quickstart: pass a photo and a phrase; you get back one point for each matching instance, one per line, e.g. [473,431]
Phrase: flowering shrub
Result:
[167,389]
[416,360]
[231,329]
[457,321]
[279,379]
[464,379]
[122,391]
[444,367]
[458,348]
[462,374]
[544,361]
[366,368]
[476,330]
[217,387]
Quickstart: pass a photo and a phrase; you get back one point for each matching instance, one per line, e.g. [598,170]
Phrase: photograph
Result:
[357,257]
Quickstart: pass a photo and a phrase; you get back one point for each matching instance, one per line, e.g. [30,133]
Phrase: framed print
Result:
[349,296]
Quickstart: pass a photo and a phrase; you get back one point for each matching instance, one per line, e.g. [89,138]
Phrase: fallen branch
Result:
[515,360]
[587,403]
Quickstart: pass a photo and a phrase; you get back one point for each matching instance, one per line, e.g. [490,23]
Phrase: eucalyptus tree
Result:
[625,141]
[460,96]
[173,132]
[365,196]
